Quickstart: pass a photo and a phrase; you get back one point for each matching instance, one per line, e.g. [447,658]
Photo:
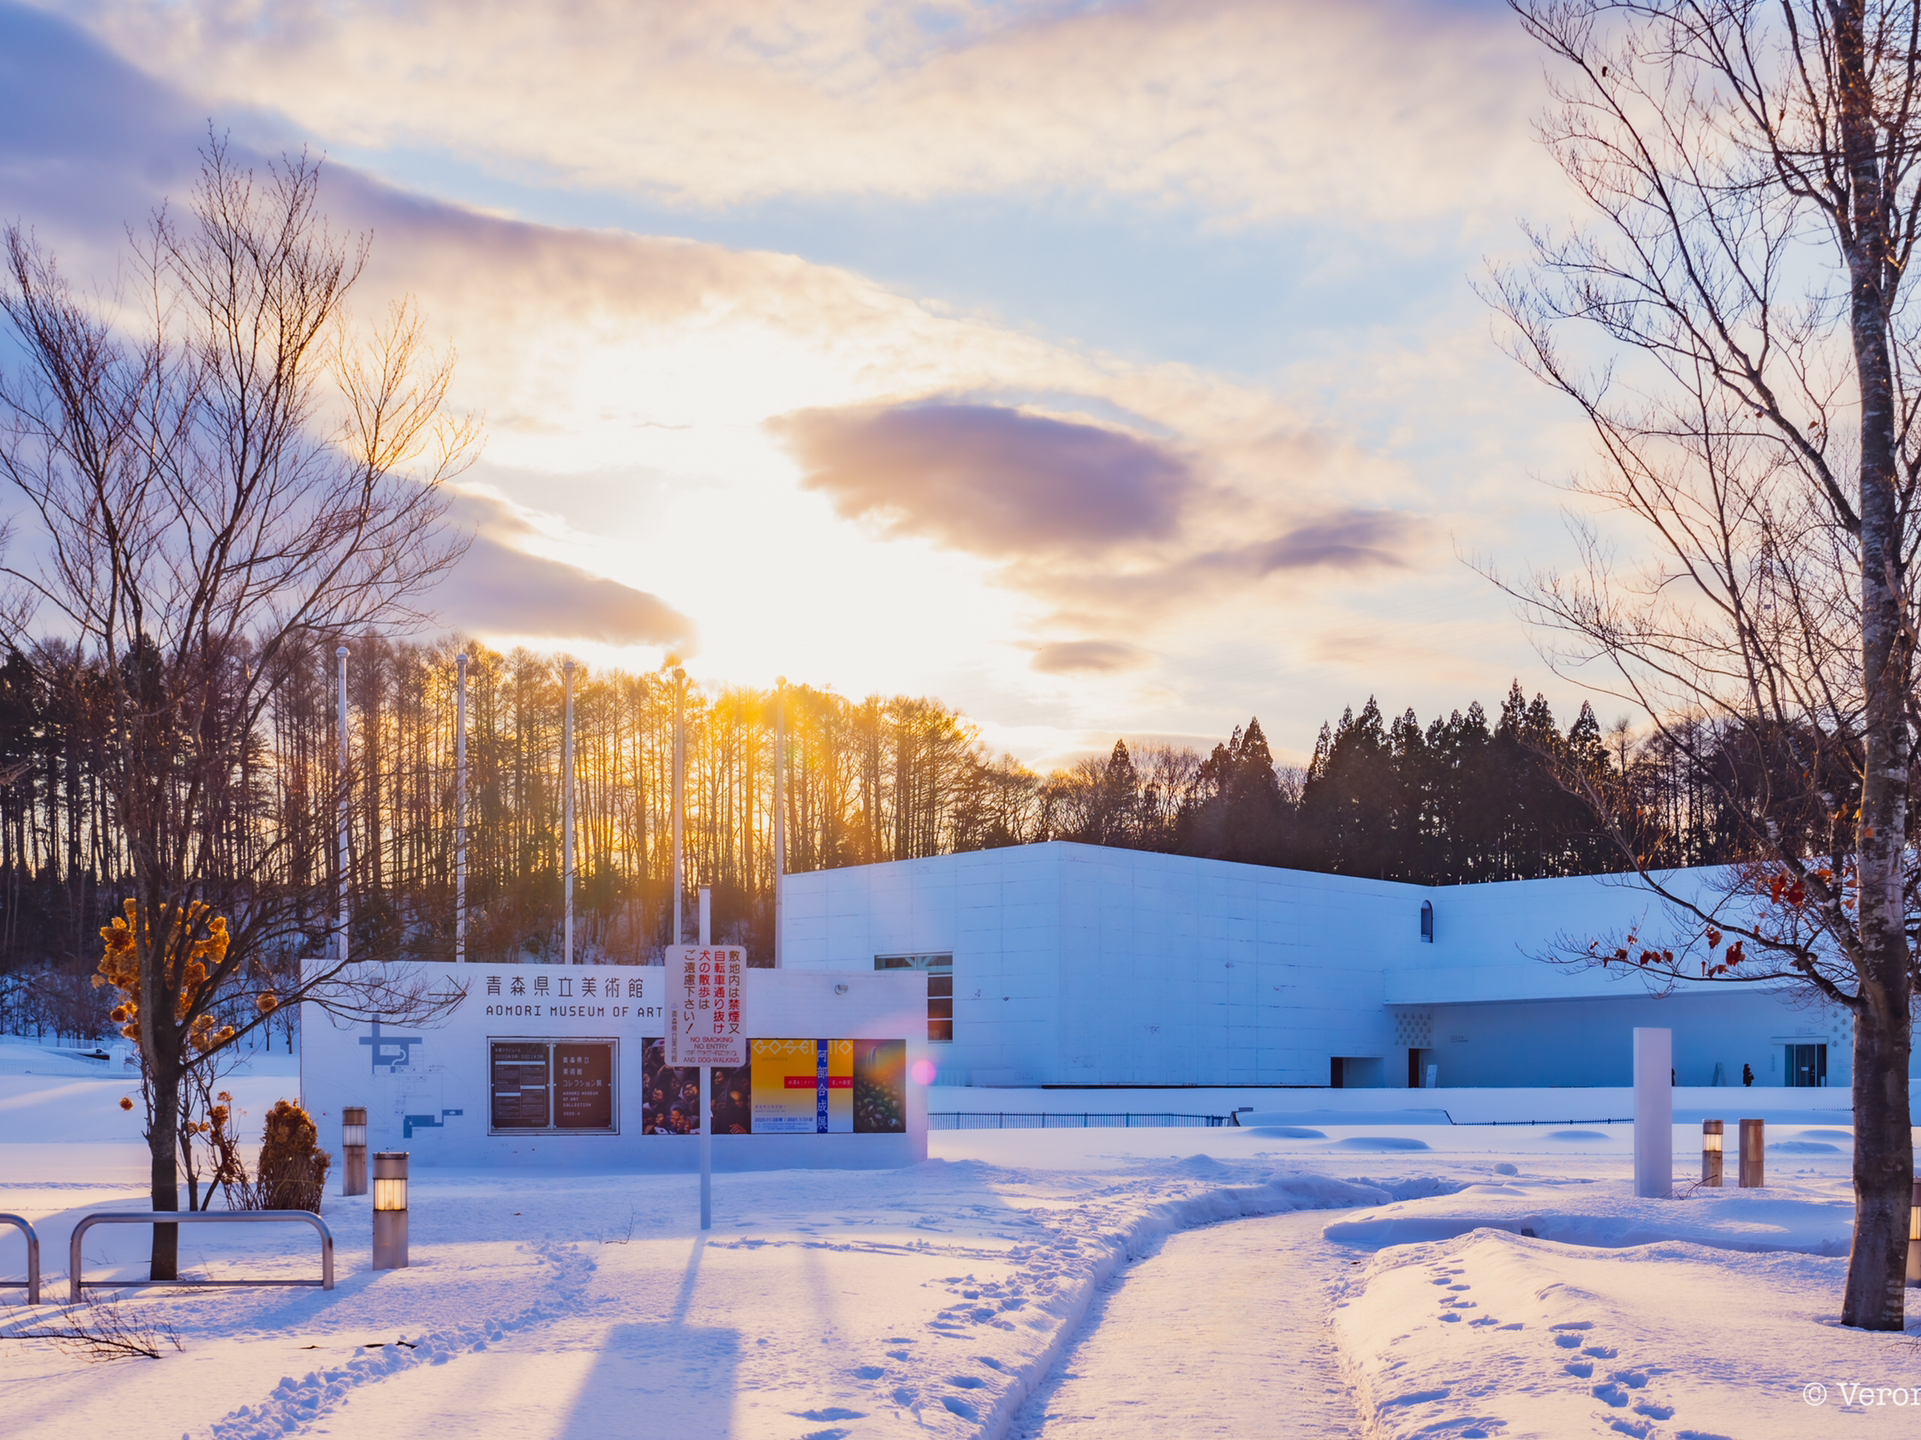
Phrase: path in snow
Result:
[1223,1332]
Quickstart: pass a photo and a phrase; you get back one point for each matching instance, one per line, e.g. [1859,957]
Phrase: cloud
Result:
[500,589]
[988,479]
[1073,495]
[1241,109]
[1088,657]
[1345,540]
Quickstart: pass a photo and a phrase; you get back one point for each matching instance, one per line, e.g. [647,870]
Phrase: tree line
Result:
[880,778]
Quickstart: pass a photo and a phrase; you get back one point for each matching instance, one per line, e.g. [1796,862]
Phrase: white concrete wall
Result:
[1490,941]
[1076,964]
[1084,965]
[998,912]
[438,1073]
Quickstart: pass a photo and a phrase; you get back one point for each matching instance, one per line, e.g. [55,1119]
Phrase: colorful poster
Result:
[880,1087]
[802,1087]
[670,1103]
[732,1097]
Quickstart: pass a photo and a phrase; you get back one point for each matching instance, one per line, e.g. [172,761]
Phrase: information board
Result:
[705,1025]
[520,1084]
[555,1085]
[584,1085]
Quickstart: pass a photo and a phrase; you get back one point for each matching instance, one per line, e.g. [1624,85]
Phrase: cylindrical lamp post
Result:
[353,1150]
[1711,1131]
[1754,1145]
[390,1210]
[1914,1235]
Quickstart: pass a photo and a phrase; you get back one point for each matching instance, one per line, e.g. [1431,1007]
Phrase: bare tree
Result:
[214,473]
[1731,322]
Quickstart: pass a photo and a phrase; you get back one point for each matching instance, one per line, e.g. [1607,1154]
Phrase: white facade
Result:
[1081,965]
[435,1088]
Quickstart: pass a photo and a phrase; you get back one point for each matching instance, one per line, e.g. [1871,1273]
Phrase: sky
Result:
[1098,368]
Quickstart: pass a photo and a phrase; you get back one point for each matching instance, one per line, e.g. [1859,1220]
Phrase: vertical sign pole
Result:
[706,1087]
[340,660]
[680,774]
[460,807]
[567,811]
[1653,1113]
[780,804]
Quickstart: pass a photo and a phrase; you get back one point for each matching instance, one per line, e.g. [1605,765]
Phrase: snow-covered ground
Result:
[988,1291]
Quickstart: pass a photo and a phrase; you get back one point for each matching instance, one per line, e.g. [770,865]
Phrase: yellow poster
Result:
[802,1087]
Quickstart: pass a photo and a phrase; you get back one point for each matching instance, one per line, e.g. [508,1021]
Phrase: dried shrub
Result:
[292,1173]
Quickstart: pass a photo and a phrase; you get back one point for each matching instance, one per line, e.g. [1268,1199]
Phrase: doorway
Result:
[1356,1072]
[1419,1064]
[1807,1065]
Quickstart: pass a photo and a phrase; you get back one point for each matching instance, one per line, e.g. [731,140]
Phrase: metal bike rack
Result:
[32,1282]
[198,1217]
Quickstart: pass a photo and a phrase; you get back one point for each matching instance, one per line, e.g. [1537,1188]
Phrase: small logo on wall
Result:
[393,1051]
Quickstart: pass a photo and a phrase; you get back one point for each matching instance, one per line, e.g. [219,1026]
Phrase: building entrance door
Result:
[1807,1065]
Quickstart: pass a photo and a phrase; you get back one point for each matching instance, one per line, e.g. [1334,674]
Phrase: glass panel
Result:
[940,1031]
[940,1009]
[939,985]
[584,1085]
[914,962]
[520,1093]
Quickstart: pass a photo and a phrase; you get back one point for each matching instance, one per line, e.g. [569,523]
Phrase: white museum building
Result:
[1066,964]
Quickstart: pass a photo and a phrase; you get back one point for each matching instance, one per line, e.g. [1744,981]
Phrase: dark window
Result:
[940,990]
[1427,921]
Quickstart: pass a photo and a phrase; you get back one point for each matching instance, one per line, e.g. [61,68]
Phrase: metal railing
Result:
[1063,1120]
[32,1282]
[198,1217]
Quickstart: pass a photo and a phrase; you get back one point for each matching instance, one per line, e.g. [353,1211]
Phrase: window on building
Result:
[940,990]
[1427,921]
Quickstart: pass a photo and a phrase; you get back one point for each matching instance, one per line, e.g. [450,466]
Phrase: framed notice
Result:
[553,1086]
[705,1022]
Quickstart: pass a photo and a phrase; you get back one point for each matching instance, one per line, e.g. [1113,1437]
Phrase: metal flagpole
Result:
[780,805]
[680,775]
[706,1086]
[340,659]
[567,808]
[460,807]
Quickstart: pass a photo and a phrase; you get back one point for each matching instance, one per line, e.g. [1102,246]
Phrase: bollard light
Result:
[390,1210]
[1914,1235]
[1754,1146]
[1711,1131]
[353,1148]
